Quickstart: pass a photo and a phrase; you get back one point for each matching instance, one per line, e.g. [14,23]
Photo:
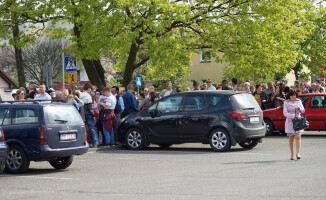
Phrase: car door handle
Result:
[185,117]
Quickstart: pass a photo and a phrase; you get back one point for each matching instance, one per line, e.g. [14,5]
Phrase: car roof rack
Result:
[35,101]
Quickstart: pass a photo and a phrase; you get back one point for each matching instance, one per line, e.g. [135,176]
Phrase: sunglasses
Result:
[22,93]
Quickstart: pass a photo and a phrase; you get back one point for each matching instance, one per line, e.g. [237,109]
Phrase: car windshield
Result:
[62,115]
[244,101]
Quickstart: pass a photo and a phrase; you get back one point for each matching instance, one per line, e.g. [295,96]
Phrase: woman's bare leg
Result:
[298,144]
[291,142]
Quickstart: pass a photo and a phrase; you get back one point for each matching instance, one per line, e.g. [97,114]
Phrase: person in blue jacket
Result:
[129,101]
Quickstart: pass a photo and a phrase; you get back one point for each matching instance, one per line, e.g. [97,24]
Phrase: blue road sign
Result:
[138,81]
[70,64]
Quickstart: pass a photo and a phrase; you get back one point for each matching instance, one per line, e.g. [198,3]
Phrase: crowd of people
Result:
[102,109]
[268,95]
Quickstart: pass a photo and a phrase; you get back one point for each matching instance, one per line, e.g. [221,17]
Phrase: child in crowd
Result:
[71,100]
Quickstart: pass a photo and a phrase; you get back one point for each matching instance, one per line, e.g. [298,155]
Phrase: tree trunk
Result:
[19,57]
[296,70]
[130,65]
[94,69]
[95,72]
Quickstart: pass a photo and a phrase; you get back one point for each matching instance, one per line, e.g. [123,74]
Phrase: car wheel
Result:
[269,127]
[220,140]
[2,167]
[61,163]
[164,145]
[135,139]
[249,144]
[17,161]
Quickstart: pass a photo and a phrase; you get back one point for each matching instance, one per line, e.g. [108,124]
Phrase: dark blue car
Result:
[3,151]
[41,131]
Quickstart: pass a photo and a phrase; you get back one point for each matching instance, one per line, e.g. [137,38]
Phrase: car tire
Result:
[269,127]
[220,140]
[2,167]
[17,161]
[61,163]
[135,139]
[249,144]
[164,145]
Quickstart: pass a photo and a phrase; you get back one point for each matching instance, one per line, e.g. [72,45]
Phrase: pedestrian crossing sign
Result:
[70,63]
[71,78]
[138,81]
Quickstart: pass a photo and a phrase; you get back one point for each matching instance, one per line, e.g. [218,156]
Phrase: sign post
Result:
[138,83]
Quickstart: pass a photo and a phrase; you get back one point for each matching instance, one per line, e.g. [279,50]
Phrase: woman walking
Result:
[291,110]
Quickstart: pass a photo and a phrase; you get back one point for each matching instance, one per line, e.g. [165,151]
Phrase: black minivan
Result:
[219,118]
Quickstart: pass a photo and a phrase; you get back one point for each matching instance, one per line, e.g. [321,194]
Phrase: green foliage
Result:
[258,38]
[113,82]
[313,48]
[269,44]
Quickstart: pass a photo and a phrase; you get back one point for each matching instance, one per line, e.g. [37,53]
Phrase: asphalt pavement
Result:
[187,171]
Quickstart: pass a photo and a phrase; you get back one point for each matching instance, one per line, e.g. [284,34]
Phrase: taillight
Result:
[237,115]
[43,139]
[2,135]
[85,134]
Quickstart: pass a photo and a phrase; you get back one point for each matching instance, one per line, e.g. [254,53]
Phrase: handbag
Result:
[300,123]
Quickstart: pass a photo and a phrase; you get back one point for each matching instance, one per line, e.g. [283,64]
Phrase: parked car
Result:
[315,106]
[3,151]
[41,131]
[219,118]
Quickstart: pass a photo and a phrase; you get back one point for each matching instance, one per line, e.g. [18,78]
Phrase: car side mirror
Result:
[155,113]
[152,113]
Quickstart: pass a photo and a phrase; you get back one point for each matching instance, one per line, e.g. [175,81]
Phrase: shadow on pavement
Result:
[259,162]
[121,149]
[34,171]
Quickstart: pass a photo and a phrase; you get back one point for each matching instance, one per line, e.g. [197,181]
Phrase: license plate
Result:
[68,136]
[254,119]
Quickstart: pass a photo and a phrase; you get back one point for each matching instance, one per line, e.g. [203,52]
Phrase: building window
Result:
[205,56]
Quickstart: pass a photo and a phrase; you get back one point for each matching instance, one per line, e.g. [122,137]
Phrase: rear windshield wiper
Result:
[61,120]
[248,109]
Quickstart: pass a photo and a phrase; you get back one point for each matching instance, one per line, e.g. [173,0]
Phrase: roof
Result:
[226,92]
[8,79]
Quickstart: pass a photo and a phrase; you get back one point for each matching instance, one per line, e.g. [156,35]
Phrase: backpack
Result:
[117,109]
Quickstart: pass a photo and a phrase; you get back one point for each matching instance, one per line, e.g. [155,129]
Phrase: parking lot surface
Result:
[188,171]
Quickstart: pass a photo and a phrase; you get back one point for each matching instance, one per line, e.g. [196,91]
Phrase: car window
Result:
[61,115]
[7,119]
[304,100]
[244,101]
[24,116]
[3,112]
[317,102]
[194,103]
[169,104]
[213,100]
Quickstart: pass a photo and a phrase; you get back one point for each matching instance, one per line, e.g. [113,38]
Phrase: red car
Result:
[315,105]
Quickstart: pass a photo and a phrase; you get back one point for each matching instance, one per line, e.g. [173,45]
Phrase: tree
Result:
[276,46]
[313,48]
[13,15]
[254,35]
[43,52]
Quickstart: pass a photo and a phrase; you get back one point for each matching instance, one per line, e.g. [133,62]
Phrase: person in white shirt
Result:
[110,120]
[168,89]
[42,94]
[210,85]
